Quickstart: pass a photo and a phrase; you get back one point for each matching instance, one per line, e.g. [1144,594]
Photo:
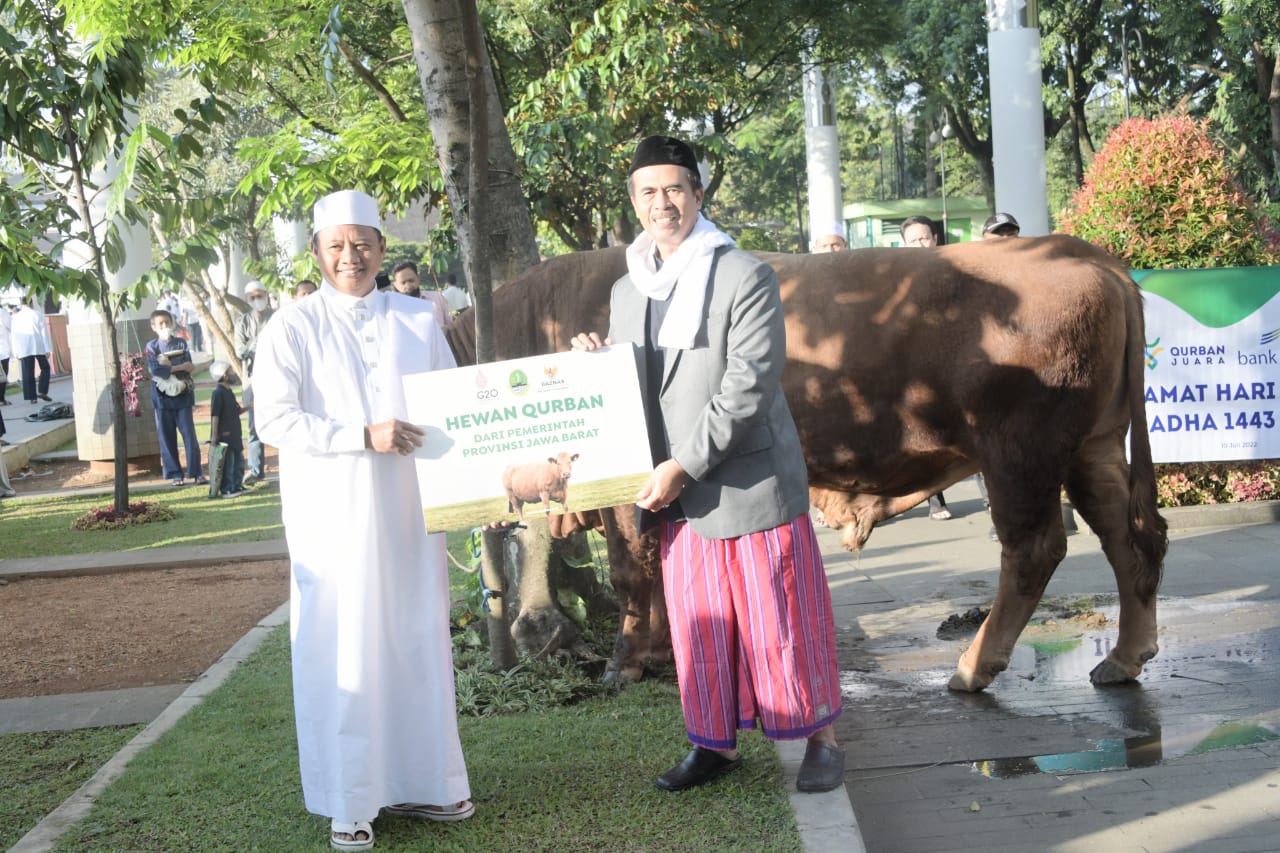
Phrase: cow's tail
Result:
[1148,531]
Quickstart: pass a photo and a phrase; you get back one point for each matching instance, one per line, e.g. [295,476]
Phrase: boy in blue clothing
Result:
[224,427]
[173,395]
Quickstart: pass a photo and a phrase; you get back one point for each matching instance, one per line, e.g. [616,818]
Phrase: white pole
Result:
[822,154]
[1017,115]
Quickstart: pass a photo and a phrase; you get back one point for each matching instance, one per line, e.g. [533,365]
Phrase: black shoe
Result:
[822,768]
[698,767]
[202,481]
[46,398]
[251,479]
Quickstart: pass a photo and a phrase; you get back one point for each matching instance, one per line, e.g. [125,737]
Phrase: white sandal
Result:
[353,830]
[441,814]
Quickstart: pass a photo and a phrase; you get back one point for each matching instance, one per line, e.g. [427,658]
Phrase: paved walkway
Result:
[1186,759]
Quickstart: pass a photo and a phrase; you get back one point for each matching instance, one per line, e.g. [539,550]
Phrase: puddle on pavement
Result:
[1129,753]
[1209,642]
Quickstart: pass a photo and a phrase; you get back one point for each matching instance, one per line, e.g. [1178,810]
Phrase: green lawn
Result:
[41,526]
[39,771]
[571,779]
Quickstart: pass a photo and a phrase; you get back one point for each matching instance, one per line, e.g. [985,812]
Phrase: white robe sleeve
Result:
[277,405]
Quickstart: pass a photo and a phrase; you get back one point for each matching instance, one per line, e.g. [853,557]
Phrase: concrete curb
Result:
[1195,517]
[1222,515]
[153,558]
[826,821]
[45,834]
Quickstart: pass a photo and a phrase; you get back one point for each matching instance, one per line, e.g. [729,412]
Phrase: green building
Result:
[878,223]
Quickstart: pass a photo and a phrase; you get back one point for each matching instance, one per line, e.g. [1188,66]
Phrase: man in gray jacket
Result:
[750,611]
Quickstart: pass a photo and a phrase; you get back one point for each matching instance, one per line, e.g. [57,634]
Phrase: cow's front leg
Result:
[635,570]
[1026,564]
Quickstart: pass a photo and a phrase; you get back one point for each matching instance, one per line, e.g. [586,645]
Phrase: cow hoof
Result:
[963,682]
[622,677]
[1111,672]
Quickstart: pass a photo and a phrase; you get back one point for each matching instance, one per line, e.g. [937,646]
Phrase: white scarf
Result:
[686,271]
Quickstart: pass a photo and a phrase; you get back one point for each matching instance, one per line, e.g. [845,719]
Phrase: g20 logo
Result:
[486,393]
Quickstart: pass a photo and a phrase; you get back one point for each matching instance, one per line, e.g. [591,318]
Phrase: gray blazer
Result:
[725,419]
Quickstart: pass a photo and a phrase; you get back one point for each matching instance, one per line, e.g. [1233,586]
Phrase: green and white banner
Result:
[1212,363]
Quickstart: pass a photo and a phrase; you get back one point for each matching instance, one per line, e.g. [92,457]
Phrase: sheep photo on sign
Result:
[503,439]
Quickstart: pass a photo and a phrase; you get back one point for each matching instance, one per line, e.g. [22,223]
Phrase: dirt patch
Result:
[129,629]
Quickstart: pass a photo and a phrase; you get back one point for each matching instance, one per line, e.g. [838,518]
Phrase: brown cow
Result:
[538,481]
[909,371]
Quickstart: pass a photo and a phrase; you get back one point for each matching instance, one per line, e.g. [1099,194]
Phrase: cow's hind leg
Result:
[1033,543]
[1098,485]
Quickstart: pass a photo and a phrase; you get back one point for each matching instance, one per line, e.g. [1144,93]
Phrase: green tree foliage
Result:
[586,81]
[64,121]
[1160,196]
[1246,108]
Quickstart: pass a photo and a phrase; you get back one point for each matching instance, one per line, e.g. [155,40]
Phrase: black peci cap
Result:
[662,151]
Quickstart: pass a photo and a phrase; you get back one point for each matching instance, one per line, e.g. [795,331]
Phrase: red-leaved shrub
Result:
[1159,196]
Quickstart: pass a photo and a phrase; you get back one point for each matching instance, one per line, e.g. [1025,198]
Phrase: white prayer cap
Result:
[252,286]
[347,207]
[218,369]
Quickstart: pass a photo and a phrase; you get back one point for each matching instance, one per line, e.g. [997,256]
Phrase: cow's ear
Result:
[573,458]
[552,460]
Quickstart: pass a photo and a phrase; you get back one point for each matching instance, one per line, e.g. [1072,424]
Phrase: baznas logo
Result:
[1152,350]
[1270,337]
[518,381]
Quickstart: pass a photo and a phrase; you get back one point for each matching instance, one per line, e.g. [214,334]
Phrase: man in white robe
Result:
[372,660]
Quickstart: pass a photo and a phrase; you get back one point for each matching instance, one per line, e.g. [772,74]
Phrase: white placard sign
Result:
[529,436]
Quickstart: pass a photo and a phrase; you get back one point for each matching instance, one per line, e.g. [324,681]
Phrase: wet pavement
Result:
[1186,758]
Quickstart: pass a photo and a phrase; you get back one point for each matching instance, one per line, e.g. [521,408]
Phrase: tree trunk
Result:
[119,433]
[477,162]
[495,233]
[493,575]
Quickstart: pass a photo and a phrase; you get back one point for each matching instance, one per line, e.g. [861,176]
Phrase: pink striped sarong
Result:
[752,632]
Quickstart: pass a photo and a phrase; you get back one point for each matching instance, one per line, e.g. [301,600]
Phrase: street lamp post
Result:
[940,140]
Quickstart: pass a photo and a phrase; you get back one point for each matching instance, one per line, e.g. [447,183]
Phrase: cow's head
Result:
[563,463]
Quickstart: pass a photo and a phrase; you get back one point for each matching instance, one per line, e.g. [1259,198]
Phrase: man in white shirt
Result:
[30,341]
[458,299]
[372,659]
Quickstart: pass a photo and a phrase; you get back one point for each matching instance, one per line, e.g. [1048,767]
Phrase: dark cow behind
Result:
[544,481]
[908,371]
